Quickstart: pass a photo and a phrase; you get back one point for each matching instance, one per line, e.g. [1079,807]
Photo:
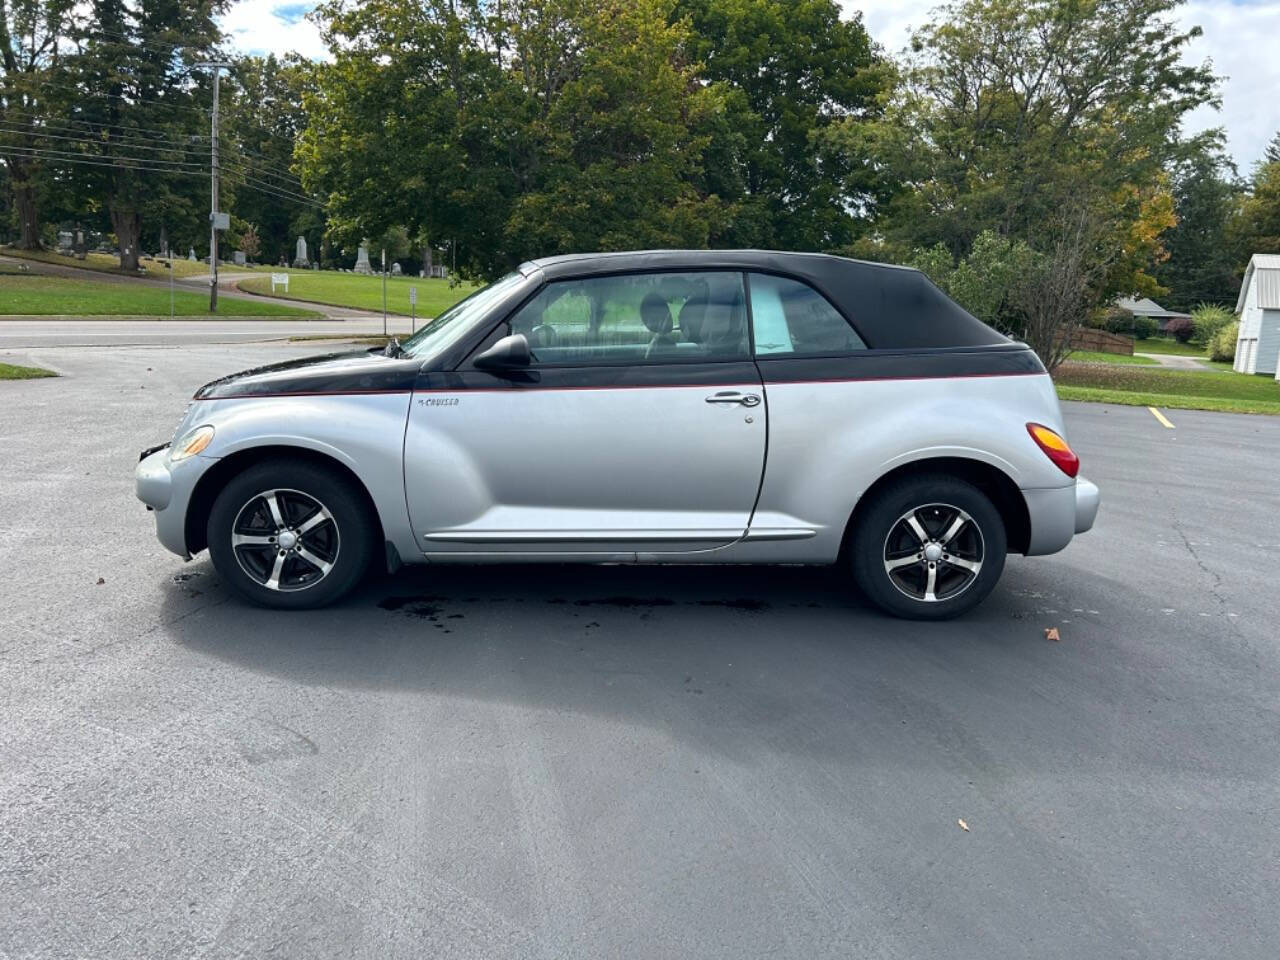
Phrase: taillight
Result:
[1055,448]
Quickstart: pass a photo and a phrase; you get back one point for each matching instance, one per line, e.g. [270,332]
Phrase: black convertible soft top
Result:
[891,307]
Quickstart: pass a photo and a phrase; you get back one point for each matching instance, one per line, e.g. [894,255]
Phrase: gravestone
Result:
[300,256]
[64,241]
[238,258]
[79,245]
[362,260]
[395,270]
[192,255]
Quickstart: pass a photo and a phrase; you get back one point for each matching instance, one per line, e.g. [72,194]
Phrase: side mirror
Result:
[509,353]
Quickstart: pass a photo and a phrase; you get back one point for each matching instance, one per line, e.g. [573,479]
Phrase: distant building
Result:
[1146,307]
[1258,307]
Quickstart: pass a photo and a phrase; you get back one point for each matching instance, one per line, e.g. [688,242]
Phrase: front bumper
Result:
[166,489]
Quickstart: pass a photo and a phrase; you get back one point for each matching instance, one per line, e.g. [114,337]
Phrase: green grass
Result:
[110,263]
[34,295]
[11,371]
[1177,389]
[363,292]
[1170,346]
[1091,356]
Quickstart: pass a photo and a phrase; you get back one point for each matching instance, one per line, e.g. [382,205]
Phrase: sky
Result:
[1236,34]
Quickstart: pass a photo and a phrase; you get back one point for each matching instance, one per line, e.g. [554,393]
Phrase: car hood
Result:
[360,371]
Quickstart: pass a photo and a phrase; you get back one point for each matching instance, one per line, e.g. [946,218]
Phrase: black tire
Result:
[969,564]
[329,549]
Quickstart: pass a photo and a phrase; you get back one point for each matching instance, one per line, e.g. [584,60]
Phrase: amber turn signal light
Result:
[1055,448]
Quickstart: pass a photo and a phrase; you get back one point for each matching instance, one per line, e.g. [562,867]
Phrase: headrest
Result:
[655,313]
[692,315]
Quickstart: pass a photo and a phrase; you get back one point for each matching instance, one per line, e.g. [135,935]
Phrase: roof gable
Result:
[1263,270]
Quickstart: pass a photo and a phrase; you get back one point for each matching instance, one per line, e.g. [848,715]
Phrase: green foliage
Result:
[1223,344]
[1207,319]
[789,71]
[1257,229]
[988,281]
[1031,120]
[1202,261]
[1143,327]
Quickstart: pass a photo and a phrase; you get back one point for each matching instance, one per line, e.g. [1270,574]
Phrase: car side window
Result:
[636,318]
[790,318]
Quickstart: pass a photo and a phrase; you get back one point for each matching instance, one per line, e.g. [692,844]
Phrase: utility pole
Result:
[217,69]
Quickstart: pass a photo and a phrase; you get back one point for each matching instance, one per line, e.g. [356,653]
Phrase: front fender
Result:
[363,432]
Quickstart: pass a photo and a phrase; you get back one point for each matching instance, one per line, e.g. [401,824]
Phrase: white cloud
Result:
[273,26]
[1236,38]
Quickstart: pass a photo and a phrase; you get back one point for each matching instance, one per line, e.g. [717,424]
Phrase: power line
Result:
[163,168]
[171,164]
[242,164]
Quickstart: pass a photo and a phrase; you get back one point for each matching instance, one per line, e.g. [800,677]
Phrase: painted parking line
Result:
[1164,421]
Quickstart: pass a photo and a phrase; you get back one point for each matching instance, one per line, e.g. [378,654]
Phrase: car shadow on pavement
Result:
[720,654]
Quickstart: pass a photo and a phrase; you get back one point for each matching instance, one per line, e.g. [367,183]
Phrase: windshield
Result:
[445,329]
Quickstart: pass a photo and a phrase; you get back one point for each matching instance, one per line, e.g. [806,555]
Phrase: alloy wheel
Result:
[285,540]
[933,552]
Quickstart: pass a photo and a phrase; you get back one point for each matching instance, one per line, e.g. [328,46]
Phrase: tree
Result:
[619,147]
[1202,262]
[137,90]
[250,242]
[1272,152]
[30,36]
[1007,113]
[1257,228]
[533,128]
[1050,122]
[263,117]
[987,283]
[791,69]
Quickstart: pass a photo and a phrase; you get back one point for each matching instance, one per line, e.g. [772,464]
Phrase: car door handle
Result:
[732,396]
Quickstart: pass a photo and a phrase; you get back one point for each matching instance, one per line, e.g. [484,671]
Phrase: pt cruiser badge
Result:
[656,407]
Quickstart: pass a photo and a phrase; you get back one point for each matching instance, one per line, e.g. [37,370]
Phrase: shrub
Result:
[1144,328]
[1119,321]
[1223,344]
[1207,319]
[1181,329]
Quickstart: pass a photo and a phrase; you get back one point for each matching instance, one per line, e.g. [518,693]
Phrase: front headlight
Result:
[192,442]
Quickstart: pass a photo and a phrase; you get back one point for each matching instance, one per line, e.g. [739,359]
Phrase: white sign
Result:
[220,221]
[280,279]
[413,296]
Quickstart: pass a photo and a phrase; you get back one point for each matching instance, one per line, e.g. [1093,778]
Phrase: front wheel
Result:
[290,534]
[928,548]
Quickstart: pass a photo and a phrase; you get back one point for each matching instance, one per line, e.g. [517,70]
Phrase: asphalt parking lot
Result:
[619,762]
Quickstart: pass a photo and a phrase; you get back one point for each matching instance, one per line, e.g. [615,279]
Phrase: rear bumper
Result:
[166,488]
[1058,514]
[1087,499]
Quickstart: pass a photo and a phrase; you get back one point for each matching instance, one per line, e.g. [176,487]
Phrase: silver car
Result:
[649,407]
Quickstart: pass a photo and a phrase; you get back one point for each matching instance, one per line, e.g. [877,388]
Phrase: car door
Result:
[638,426]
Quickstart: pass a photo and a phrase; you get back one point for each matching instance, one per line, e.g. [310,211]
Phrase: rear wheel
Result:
[290,534]
[928,547]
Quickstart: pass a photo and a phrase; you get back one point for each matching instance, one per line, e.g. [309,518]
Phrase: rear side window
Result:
[637,318]
[791,319]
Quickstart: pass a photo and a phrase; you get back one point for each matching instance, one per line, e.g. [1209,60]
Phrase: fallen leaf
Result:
[1051,633]
[101,581]
[963,826]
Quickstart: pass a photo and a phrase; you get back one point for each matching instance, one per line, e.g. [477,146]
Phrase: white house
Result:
[1258,344]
